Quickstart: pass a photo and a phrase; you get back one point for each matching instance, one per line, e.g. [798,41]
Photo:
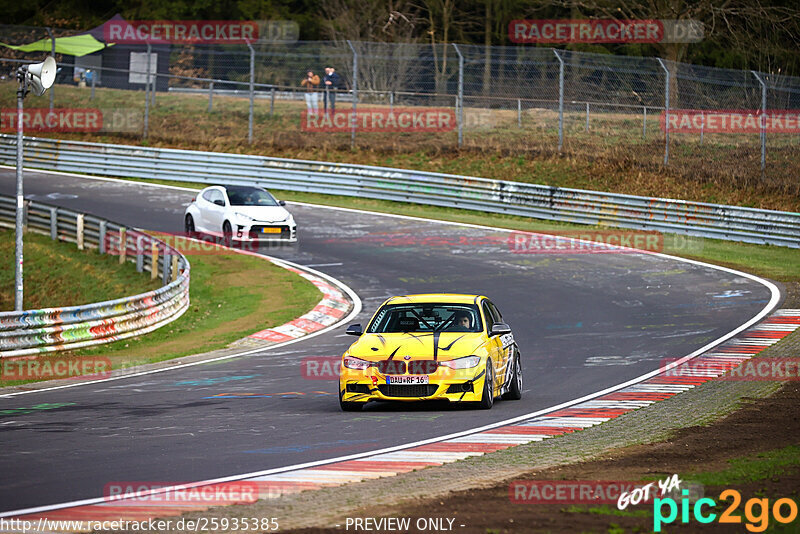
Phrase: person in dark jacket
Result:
[331,82]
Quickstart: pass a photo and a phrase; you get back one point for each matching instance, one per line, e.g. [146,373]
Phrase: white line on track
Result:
[773,302]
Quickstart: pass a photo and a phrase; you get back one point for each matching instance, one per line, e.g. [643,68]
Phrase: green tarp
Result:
[76,45]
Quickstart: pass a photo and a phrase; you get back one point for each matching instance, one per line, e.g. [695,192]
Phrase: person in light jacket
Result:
[311,83]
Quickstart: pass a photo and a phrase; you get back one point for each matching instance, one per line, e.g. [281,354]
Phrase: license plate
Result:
[270,230]
[407,379]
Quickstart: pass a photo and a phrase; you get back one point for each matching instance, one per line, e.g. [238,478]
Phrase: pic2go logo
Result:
[756,511]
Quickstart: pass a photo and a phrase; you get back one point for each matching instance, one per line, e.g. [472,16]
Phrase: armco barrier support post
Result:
[354,118]
[165,267]
[146,93]
[252,92]
[123,244]
[101,236]
[560,100]
[763,122]
[460,100]
[153,260]
[53,223]
[666,110]
[139,254]
[210,95]
[174,268]
[79,231]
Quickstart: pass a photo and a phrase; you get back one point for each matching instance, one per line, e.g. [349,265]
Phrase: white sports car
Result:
[240,213]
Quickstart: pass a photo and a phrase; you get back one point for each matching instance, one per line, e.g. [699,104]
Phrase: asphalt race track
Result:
[584,322]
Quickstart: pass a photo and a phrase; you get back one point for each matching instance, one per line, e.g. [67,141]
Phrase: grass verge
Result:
[232,295]
[57,274]
[613,155]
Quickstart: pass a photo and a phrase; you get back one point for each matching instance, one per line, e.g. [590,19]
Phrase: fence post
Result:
[94,79]
[252,92]
[79,231]
[666,110]
[519,113]
[702,126]
[53,223]
[460,117]
[210,95]
[146,95]
[644,122]
[763,122]
[587,117]
[52,53]
[354,119]
[391,101]
[560,100]
[272,101]
[153,88]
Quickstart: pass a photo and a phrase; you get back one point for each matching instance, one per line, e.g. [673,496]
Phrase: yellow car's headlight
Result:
[352,362]
[466,362]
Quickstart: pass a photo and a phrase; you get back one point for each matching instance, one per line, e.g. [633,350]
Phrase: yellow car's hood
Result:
[420,346]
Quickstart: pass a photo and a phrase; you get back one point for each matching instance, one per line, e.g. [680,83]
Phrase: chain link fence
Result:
[515,99]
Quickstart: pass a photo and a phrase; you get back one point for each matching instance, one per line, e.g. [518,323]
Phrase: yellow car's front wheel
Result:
[349,406]
[487,397]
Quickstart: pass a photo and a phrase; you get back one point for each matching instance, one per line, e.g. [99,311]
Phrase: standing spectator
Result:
[332,82]
[311,83]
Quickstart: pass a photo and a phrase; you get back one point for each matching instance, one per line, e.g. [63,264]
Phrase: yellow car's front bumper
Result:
[456,385]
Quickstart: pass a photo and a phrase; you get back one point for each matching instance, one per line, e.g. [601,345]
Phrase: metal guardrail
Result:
[52,329]
[498,196]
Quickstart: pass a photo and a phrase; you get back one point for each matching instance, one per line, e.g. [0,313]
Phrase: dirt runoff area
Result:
[762,425]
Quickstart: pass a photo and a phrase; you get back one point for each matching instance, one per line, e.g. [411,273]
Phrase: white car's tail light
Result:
[466,362]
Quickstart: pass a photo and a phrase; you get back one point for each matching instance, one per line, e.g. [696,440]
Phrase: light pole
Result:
[37,77]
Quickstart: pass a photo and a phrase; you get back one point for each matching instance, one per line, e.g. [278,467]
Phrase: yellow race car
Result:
[426,347]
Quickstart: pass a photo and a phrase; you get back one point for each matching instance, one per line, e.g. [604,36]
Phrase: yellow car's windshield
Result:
[426,317]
